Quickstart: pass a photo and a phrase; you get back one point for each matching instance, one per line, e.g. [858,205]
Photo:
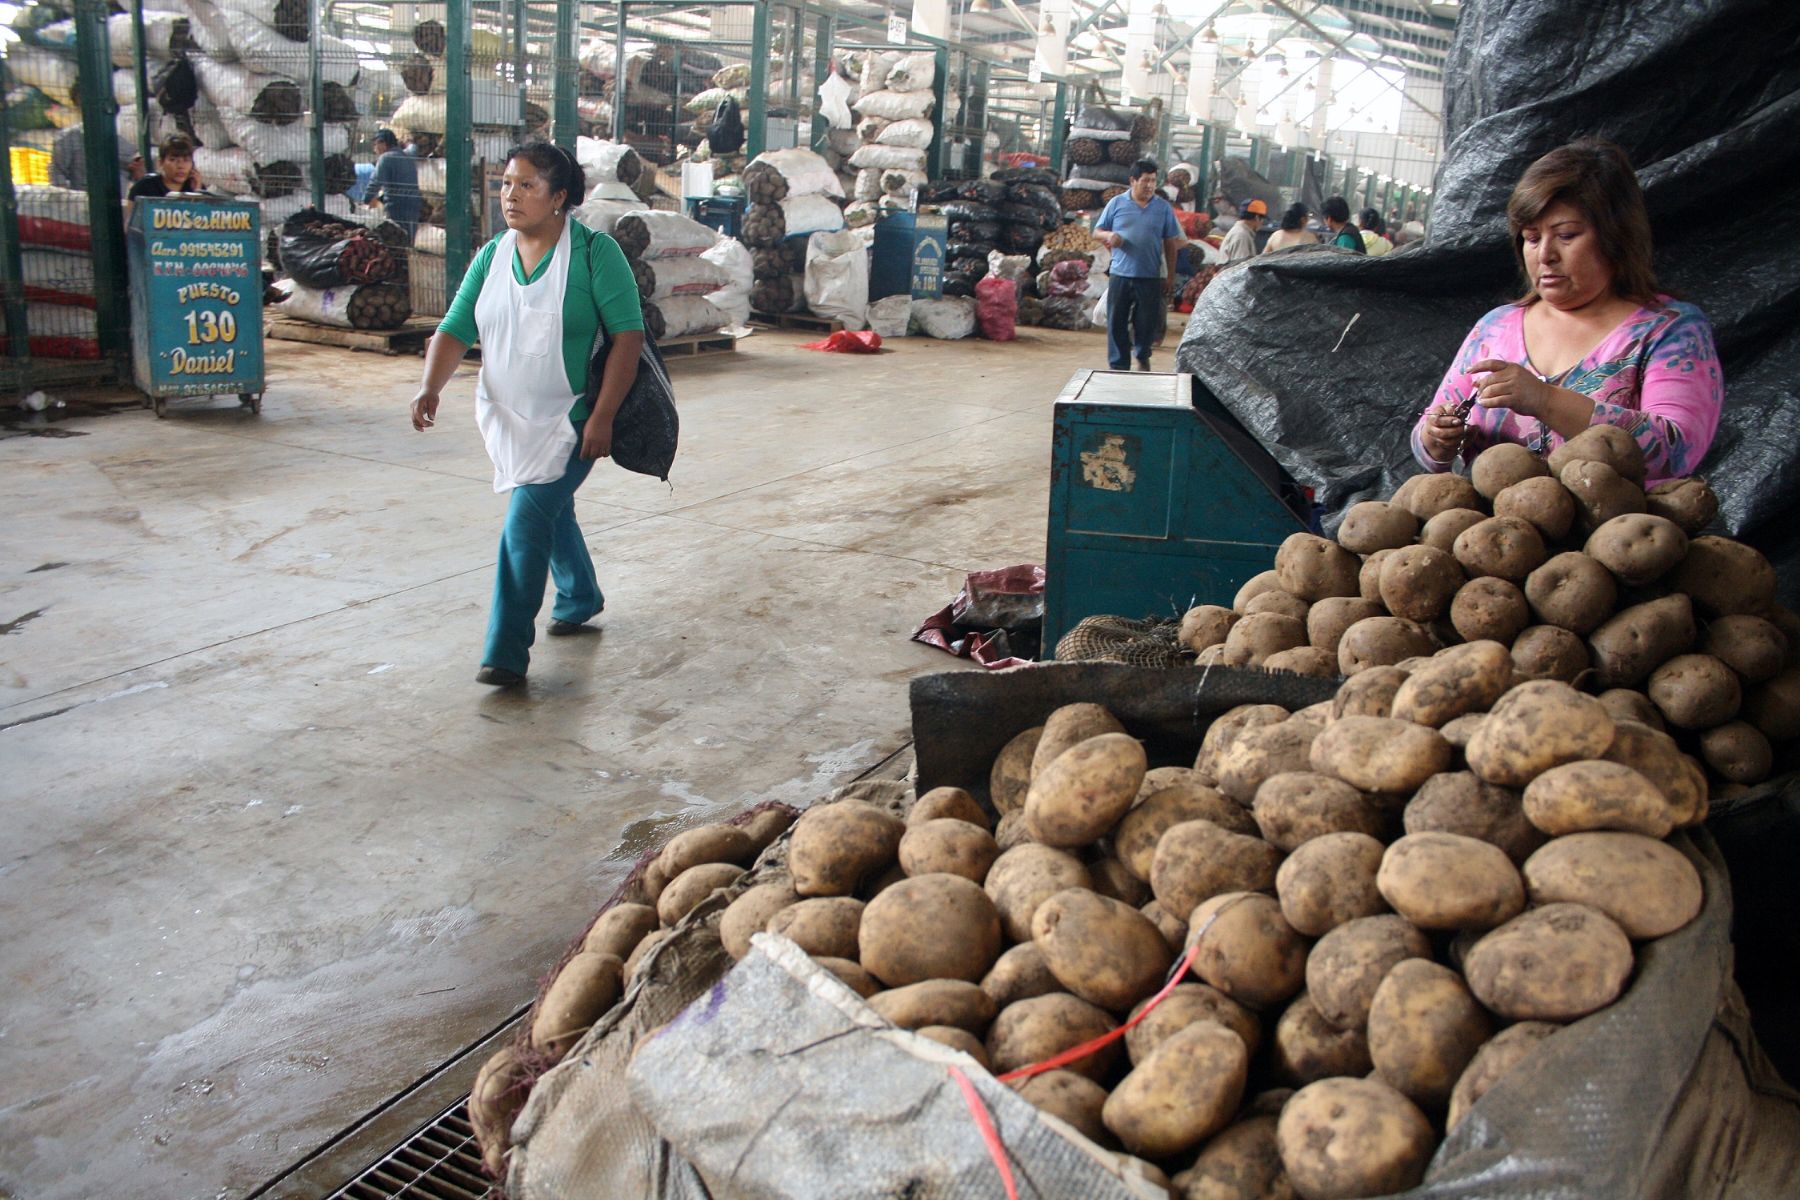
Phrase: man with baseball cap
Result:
[1240,243]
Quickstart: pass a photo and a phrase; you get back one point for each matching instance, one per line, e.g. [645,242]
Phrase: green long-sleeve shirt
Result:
[605,291]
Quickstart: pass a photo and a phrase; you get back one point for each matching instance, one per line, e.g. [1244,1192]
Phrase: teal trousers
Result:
[540,539]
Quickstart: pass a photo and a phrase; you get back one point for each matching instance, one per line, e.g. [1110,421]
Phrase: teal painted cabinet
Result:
[1158,501]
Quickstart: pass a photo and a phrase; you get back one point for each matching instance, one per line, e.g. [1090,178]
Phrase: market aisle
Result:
[274,855]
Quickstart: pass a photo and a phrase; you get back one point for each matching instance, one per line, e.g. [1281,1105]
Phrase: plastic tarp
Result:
[1705,99]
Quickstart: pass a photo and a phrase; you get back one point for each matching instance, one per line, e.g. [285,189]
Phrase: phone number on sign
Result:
[161,249]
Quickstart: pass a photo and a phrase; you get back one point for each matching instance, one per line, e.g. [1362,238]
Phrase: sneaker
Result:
[499,677]
[569,628]
[1143,364]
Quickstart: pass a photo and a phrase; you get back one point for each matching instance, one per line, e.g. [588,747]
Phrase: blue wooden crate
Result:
[723,213]
[1158,501]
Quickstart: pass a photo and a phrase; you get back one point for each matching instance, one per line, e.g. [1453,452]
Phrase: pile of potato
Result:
[1385,916]
[1569,564]
[689,868]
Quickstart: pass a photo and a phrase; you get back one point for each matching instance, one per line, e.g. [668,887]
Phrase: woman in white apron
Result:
[533,299]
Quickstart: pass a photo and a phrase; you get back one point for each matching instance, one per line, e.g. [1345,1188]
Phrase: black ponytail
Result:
[558,165]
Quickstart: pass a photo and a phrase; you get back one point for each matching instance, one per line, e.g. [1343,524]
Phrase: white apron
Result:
[522,396]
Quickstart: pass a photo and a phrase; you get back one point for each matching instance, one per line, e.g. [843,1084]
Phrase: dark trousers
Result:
[1133,318]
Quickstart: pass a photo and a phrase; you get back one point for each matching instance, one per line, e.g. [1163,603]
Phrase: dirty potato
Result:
[1381,642]
[1256,585]
[1187,1004]
[707,844]
[1637,547]
[1489,609]
[1197,860]
[583,990]
[1330,880]
[956,1003]
[1312,568]
[1082,794]
[1725,577]
[1572,591]
[948,846]
[1259,634]
[1537,726]
[1600,494]
[1373,525]
[1100,949]
[1247,949]
[1458,802]
[1206,625]
[1306,1047]
[1010,776]
[929,927]
[1738,752]
[1027,875]
[1418,582]
[749,914]
[1450,882]
[1508,547]
[1343,1138]
[1424,1028]
[834,847]
[1184,1092]
[1379,754]
[1029,1031]
[1646,885]
[1425,496]
[1462,679]
[1297,806]
[687,890]
[1690,503]
[1751,646]
[1348,964]
[619,929]
[1502,465]
[1609,444]
[1019,974]
[1555,963]
[1257,753]
[1327,620]
[1134,839]
[947,804]
[1581,796]
[1241,1163]
[1545,503]
[1068,727]
[1069,1097]
[1225,729]
[1695,691]
[1507,1050]
[825,927]
[1547,652]
[1368,693]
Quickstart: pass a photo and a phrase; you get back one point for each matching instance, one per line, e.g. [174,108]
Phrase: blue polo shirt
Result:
[1143,228]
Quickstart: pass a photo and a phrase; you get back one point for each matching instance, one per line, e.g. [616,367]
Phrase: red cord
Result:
[996,1149]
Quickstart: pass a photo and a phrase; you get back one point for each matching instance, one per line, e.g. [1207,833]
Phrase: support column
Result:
[458,184]
[100,142]
[758,71]
[315,102]
[568,124]
[756,135]
[142,73]
[12,267]
[822,43]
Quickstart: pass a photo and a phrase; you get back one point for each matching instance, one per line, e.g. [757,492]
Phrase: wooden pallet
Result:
[698,345]
[410,338]
[805,322]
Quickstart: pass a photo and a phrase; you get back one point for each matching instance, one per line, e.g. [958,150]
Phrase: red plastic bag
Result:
[996,309]
[1068,278]
[848,341]
[996,619]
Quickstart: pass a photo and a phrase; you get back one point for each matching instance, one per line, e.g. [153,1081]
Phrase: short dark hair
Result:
[1368,218]
[385,135]
[175,146]
[558,165]
[1144,166]
[1596,177]
[1337,209]
[1294,218]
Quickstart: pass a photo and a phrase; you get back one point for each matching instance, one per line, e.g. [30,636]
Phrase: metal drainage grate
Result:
[439,1162]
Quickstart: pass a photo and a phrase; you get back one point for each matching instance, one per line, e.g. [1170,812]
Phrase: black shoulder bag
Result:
[646,429]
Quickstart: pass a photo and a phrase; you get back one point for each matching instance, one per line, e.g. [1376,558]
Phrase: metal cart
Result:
[196,299]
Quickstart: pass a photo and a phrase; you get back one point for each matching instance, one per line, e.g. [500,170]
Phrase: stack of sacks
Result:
[895,129]
[1101,148]
[1008,214]
[344,274]
[57,263]
[793,194]
[668,255]
[40,75]
[1030,209]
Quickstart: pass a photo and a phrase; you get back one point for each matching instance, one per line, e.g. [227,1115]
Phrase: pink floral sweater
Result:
[1656,376]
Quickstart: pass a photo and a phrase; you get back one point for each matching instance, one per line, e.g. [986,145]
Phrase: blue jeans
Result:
[1133,316]
[540,538]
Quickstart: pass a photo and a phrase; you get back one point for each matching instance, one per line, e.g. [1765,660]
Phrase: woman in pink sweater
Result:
[1593,340]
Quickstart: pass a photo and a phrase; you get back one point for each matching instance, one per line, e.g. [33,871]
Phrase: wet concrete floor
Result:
[271,854]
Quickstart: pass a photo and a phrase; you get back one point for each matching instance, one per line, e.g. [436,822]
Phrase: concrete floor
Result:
[271,854]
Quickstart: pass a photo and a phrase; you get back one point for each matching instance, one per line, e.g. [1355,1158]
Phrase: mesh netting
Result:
[1122,640]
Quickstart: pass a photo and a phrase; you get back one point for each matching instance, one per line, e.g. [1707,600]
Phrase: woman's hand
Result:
[1509,385]
[424,410]
[596,437]
[1442,433]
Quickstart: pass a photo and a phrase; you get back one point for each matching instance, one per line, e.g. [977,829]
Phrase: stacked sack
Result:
[1101,148]
[55,256]
[895,130]
[1072,266]
[793,194]
[675,277]
[1009,215]
[344,274]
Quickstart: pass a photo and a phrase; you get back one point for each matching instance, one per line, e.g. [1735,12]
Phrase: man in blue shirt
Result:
[1141,230]
[395,183]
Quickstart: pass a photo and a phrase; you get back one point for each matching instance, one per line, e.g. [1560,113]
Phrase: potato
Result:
[1343,1138]
[1585,796]
[947,804]
[834,847]
[1261,752]
[825,927]
[1502,465]
[1114,880]
[1100,949]
[1187,1004]
[1348,964]
[1247,949]
[1448,881]
[957,1039]
[1327,620]
[948,847]
[1647,886]
[1296,806]
[1330,880]
[1173,929]
[1507,1050]
[1510,548]
[1081,795]
[1134,839]
[1424,1028]
[1418,582]
[1368,693]
[1460,803]
[650,884]
[1609,444]
[1019,974]
[1458,733]
[583,990]
[1690,503]
[1547,652]
[1225,729]
[851,974]
[1368,578]
[1071,1098]
[1380,754]
[1623,704]
[1751,646]
[1312,568]
[1011,831]
[1306,1047]
[1695,691]
[1381,642]
[1024,877]
[1256,585]
[1197,860]
[1373,525]
[1774,707]
[1260,634]
[1011,773]
[1637,547]
[1600,494]
[1156,779]
[501,1088]
[1281,603]
[1572,591]
[1545,503]
[641,955]
[1537,726]
[1462,679]
[693,885]
[1441,532]
[1068,727]
[619,929]
[1310,661]
[1654,755]
[1184,1092]
[1205,625]
[1030,1031]
[1241,1163]
[1425,496]
[766,824]
[1555,963]
[929,927]
[707,844]
[1489,609]
[953,1002]
[750,912]
[1627,648]
[1738,752]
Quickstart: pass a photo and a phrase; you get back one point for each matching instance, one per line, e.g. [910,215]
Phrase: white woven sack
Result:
[159,37]
[50,73]
[897,158]
[685,277]
[327,306]
[811,214]
[735,260]
[224,168]
[279,143]
[914,133]
[913,73]
[868,185]
[951,318]
[1101,135]
[420,114]
[807,174]
[66,272]
[891,316]
[601,214]
[895,106]
[206,25]
[430,239]
[685,315]
[675,236]
[876,67]
[261,48]
[896,181]
[837,277]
